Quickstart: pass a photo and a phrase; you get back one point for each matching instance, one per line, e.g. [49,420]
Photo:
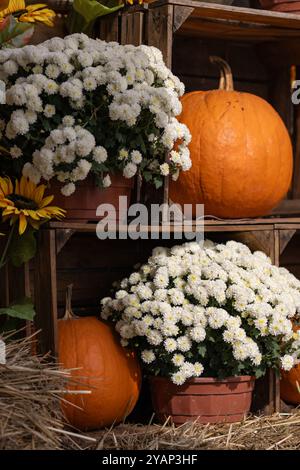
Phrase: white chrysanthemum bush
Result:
[215,310]
[77,106]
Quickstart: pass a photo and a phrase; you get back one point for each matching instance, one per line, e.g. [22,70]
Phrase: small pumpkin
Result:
[108,372]
[290,383]
[241,152]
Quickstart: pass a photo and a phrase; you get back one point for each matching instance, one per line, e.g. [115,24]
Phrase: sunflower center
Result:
[22,202]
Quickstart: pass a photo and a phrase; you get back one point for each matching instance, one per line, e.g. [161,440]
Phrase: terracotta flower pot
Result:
[285,6]
[206,400]
[81,206]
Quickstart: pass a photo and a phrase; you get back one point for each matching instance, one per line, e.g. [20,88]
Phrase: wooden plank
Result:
[257,240]
[291,206]
[235,30]
[91,227]
[280,53]
[46,292]
[109,27]
[266,396]
[181,14]
[138,28]
[276,256]
[202,83]
[243,59]
[62,237]
[4,287]
[280,96]
[208,10]
[19,287]
[285,236]
[287,226]
[160,31]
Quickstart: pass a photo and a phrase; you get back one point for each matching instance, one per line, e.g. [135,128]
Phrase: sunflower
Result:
[38,13]
[25,203]
[30,13]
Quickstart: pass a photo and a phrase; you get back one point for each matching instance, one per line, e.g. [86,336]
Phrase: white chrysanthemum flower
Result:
[154,337]
[52,71]
[164,169]
[136,157]
[134,278]
[184,343]
[148,356]
[49,110]
[90,84]
[15,152]
[68,189]
[129,170]
[99,154]
[169,329]
[178,378]
[106,182]
[287,362]
[68,121]
[176,296]
[187,369]
[198,334]
[178,359]
[198,369]
[170,344]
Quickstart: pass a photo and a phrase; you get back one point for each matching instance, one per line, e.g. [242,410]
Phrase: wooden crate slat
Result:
[251,15]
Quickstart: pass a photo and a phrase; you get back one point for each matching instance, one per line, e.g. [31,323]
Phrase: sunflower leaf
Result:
[22,248]
[85,12]
[23,309]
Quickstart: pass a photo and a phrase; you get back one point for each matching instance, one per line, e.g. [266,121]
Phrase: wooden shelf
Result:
[200,19]
[209,225]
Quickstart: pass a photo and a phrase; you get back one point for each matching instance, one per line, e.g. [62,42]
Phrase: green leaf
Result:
[85,12]
[23,310]
[22,248]
[13,33]
[91,9]
[201,350]
[158,183]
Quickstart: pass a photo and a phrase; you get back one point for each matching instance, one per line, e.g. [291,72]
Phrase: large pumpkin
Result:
[241,152]
[104,368]
[290,383]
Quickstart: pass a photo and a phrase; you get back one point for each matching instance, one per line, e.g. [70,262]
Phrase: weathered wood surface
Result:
[132,28]
[45,285]
[250,15]
[160,30]
[109,28]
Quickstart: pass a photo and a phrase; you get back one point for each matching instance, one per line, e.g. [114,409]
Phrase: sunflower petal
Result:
[33,214]
[46,201]
[6,186]
[22,224]
[39,194]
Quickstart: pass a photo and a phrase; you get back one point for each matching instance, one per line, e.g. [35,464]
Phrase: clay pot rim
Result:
[210,380]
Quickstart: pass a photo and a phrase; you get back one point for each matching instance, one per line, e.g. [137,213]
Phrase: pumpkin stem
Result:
[68,310]
[226,80]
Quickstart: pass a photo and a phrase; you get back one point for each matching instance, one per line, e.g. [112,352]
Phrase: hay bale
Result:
[30,392]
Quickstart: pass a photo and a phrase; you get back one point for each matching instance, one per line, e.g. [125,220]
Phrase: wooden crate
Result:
[261,47]
[92,272]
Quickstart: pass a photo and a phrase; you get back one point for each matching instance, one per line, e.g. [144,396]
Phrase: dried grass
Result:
[30,394]
[30,418]
[277,432]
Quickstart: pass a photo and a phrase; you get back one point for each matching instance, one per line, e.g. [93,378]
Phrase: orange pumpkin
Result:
[241,152]
[290,383]
[105,368]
